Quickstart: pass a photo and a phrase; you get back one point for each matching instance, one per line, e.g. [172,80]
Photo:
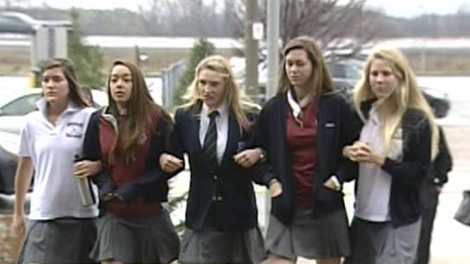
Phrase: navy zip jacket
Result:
[335,119]
[408,174]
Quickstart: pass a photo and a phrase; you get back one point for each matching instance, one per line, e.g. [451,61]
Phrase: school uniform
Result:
[134,227]
[56,211]
[303,145]
[221,213]
[387,217]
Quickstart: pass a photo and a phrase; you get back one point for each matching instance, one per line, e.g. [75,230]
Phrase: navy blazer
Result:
[335,119]
[230,185]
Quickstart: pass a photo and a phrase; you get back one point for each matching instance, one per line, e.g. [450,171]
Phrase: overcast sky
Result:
[402,8]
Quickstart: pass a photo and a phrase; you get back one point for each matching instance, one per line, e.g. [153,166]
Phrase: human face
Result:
[382,78]
[298,67]
[55,86]
[120,84]
[211,85]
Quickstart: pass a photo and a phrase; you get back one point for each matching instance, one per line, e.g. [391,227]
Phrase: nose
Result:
[293,68]
[205,88]
[380,78]
[119,82]
[49,83]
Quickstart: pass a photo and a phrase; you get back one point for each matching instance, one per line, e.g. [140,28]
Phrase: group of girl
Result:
[302,145]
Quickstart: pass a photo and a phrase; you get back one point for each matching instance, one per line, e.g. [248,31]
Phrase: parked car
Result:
[13,111]
[346,73]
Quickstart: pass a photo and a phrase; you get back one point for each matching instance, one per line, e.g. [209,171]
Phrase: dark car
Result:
[346,73]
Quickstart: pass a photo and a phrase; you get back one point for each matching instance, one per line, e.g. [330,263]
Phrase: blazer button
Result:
[217,198]
[215,178]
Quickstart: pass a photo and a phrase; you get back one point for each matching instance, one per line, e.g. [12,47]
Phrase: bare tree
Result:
[153,15]
[326,20]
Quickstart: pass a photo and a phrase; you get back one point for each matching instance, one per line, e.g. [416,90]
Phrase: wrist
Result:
[261,154]
[272,182]
[346,151]
[379,160]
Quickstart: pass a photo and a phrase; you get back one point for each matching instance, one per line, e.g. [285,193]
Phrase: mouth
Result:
[50,94]
[119,94]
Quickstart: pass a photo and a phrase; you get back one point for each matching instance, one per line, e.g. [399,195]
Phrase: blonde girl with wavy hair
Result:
[397,142]
[214,129]
[235,98]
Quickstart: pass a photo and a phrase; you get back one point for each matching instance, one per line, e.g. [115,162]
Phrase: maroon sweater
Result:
[123,173]
[302,142]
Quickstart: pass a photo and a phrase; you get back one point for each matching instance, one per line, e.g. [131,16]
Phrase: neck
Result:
[212,108]
[300,93]
[56,108]
[122,109]
[385,108]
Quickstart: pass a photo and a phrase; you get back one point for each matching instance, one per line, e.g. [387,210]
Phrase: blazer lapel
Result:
[195,120]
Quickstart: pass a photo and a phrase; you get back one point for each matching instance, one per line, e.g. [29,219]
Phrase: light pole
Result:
[273,46]
[251,51]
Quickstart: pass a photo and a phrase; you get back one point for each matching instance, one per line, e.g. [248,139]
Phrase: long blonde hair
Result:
[237,102]
[407,95]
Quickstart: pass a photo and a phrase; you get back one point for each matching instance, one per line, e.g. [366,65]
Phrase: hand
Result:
[86,168]
[362,152]
[275,188]
[111,196]
[333,183]
[19,224]
[248,158]
[170,163]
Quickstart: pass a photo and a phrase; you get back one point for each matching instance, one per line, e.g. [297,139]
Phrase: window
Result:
[21,106]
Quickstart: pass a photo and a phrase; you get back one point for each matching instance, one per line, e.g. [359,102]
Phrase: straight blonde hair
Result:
[407,95]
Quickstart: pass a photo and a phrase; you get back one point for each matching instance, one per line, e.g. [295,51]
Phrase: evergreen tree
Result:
[88,60]
[202,49]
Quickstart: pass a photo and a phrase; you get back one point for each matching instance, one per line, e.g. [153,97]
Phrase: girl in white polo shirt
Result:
[60,228]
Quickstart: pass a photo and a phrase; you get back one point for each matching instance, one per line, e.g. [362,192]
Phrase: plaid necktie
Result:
[210,140]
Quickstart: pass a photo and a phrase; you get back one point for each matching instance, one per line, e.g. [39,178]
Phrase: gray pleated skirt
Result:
[381,243]
[64,240]
[323,238]
[136,240]
[215,247]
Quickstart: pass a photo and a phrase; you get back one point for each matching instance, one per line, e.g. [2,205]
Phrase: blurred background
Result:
[167,38]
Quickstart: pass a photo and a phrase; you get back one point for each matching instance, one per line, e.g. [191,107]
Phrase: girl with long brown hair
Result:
[128,137]
[303,130]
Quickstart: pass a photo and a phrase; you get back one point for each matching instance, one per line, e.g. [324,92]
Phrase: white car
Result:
[13,112]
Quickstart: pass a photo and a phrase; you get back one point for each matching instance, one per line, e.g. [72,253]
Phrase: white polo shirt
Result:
[52,150]
[374,184]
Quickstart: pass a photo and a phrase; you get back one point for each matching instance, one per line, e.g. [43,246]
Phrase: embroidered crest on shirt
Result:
[74,129]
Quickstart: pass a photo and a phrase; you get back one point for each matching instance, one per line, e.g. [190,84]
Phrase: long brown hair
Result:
[236,101]
[320,79]
[76,94]
[138,122]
